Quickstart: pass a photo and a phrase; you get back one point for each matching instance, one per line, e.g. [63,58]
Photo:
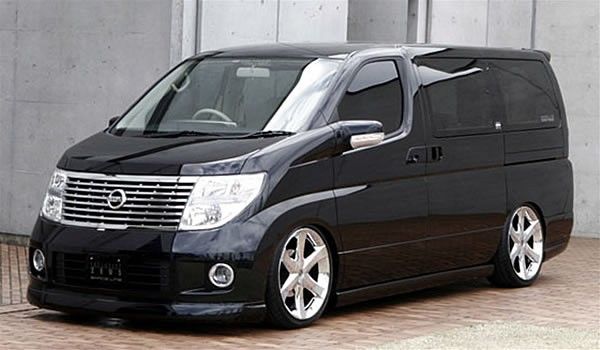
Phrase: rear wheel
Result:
[300,279]
[519,258]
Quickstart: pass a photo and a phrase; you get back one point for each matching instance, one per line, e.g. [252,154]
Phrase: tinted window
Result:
[460,97]
[526,90]
[374,94]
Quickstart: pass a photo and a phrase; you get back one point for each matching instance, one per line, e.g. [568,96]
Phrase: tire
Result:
[519,258]
[305,281]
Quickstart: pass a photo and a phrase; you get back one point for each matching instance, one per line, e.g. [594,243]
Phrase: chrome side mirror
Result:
[354,134]
[366,140]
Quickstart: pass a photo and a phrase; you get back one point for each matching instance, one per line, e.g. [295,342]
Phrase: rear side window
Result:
[460,94]
[527,93]
[375,93]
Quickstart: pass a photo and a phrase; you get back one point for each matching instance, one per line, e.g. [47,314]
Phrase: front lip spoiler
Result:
[67,301]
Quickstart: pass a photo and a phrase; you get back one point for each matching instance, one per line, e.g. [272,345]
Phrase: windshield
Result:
[231,96]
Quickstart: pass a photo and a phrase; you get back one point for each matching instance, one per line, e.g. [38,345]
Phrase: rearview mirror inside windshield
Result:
[253,72]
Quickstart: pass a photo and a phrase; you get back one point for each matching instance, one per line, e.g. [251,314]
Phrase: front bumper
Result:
[68,301]
[166,274]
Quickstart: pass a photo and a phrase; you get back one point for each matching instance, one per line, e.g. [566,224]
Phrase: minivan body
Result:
[271,181]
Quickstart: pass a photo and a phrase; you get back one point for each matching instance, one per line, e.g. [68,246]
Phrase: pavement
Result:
[561,310]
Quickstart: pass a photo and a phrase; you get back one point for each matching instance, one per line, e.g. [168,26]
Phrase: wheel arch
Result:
[335,259]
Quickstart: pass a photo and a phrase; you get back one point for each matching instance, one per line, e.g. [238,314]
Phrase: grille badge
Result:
[116,199]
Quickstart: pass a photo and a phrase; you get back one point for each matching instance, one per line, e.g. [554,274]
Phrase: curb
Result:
[13,239]
[9,309]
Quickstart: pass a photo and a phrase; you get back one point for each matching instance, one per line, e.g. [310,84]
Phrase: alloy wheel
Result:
[304,273]
[526,243]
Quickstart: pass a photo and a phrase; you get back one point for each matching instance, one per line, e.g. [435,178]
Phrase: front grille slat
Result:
[104,212]
[123,185]
[135,199]
[119,218]
[76,203]
[129,193]
[155,202]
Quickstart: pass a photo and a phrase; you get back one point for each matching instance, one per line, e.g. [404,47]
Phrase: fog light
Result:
[221,275]
[39,261]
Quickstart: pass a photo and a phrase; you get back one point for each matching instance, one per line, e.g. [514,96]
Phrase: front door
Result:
[381,195]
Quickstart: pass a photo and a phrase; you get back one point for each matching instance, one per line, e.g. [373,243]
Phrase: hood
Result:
[109,154]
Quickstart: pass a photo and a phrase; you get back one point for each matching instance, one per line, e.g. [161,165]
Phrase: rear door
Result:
[465,174]
[381,200]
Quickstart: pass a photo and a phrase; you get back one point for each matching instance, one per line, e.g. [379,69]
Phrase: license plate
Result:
[106,268]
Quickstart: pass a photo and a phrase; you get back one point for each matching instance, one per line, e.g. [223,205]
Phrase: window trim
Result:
[398,64]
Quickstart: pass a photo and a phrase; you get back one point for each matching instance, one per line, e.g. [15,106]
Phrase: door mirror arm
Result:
[113,120]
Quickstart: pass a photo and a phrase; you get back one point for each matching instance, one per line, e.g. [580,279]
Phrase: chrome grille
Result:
[155,202]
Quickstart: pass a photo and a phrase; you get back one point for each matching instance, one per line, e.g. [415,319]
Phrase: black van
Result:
[271,181]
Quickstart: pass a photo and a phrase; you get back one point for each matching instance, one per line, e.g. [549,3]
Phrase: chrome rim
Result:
[304,273]
[526,243]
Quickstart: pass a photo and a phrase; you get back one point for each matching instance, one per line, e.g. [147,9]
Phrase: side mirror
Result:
[113,120]
[353,134]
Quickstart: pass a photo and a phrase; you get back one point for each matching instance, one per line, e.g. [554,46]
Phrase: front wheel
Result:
[519,258]
[300,279]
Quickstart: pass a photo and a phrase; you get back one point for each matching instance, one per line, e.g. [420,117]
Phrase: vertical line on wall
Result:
[189,28]
[428,19]
[487,23]
[176,35]
[533,23]
[277,21]
[199,21]
[11,226]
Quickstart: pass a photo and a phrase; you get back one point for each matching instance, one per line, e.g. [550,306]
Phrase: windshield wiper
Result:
[181,133]
[267,133]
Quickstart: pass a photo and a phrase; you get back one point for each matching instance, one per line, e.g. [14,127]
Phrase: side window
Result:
[461,99]
[374,94]
[527,93]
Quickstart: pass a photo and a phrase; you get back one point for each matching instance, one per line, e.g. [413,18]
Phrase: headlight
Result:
[52,206]
[216,200]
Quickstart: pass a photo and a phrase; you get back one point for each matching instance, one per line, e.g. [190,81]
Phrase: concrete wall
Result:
[65,68]
[378,20]
[501,23]
[461,22]
[241,22]
[569,30]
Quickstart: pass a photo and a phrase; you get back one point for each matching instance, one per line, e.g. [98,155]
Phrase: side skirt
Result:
[412,284]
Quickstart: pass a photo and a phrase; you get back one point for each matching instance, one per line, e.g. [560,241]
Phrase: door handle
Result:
[424,154]
[436,154]
[416,155]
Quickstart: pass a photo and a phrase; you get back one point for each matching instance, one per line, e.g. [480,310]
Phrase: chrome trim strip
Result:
[129,212]
[137,178]
[366,140]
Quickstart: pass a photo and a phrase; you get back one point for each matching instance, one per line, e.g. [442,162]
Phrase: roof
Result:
[315,50]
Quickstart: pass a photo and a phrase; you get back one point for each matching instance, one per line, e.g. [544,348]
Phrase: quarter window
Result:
[527,93]
[461,98]
[374,94]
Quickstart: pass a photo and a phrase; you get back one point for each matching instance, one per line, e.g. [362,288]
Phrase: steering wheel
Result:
[215,112]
